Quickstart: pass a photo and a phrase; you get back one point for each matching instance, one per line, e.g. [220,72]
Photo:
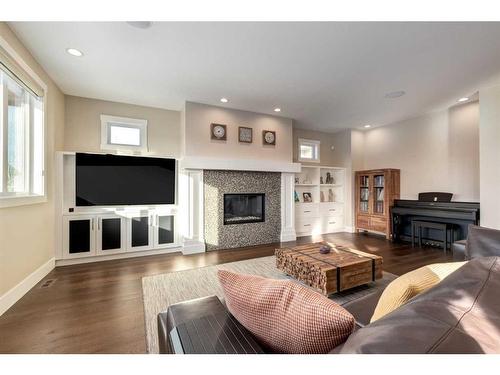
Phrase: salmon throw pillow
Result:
[285,316]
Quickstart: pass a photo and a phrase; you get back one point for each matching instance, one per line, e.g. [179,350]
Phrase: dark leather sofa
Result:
[480,242]
[459,315]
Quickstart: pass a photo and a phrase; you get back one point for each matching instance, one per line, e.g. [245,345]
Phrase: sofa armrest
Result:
[203,326]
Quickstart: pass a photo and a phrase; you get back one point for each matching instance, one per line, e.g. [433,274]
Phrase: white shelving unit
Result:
[324,213]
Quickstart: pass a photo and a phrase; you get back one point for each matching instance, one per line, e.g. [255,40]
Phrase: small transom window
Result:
[309,150]
[121,133]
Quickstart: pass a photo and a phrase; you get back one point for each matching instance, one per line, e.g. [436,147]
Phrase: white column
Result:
[287,207]
[489,156]
[191,211]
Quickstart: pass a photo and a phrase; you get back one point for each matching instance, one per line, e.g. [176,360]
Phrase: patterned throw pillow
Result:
[286,317]
[407,286]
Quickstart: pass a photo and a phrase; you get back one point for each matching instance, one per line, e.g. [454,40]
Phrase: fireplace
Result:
[244,208]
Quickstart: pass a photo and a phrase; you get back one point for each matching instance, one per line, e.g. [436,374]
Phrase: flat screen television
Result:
[110,180]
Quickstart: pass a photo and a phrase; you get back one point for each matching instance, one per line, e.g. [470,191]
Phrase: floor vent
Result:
[47,283]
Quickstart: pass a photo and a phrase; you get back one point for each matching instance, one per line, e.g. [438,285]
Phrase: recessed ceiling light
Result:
[277,109]
[140,24]
[395,94]
[464,99]
[224,100]
[367,126]
[74,52]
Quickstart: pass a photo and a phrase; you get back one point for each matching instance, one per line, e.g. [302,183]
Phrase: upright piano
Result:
[460,214]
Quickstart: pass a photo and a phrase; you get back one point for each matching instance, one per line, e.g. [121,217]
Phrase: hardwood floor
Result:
[97,307]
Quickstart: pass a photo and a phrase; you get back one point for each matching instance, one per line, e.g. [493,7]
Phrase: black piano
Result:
[460,214]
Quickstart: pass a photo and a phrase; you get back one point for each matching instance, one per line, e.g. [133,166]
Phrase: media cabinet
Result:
[86,234]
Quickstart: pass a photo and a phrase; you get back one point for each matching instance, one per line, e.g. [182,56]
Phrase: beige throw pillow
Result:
[411,284]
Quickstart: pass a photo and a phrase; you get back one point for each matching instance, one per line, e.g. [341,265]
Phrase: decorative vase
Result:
[325,249]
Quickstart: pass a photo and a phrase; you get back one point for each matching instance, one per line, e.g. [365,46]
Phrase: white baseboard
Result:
[349,229]
[193,247]
[288,236]
[17,292]
[126,255]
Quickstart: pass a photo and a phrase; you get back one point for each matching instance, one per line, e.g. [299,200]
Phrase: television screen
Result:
[109,180]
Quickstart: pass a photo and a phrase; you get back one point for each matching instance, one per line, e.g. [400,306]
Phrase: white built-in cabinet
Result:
[119,231]
[93,235]
[324,212]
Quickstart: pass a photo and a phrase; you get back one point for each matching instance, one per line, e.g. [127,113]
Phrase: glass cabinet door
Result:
[140,232]
[78,236]
[164,230]
[378,194]
[110,235]
[364,193]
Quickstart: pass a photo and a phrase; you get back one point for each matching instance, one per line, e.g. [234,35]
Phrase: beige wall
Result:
[83,125]
[27,232]
[489,99]
[197,142]
[337,157]
[435,152]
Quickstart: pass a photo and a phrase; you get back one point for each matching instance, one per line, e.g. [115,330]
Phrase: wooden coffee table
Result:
[343,268]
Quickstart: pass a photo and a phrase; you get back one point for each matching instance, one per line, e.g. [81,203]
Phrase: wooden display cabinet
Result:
[375,193]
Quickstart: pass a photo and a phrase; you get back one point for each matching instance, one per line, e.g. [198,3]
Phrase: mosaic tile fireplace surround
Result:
[251,202]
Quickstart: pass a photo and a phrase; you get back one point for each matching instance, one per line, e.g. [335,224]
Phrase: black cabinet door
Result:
[165,229]
[111,233]
[79,236]
[140,231]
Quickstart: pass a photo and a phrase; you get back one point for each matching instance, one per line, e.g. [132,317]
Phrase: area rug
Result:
[160,291]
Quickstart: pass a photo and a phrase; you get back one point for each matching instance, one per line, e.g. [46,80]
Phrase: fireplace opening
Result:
[244,208]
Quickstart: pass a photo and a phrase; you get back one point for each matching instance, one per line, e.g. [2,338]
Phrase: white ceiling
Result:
[326,76]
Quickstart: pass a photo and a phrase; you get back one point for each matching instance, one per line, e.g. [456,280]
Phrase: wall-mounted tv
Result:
[110,180]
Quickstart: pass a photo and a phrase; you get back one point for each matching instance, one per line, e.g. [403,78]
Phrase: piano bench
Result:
[458,250]
[418,225]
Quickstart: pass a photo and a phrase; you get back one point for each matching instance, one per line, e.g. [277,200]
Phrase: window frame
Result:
[316,150]
[25,198]
[108,121]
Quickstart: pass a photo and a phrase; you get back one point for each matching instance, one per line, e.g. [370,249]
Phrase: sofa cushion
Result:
[407,286]
[460,315]
[458,250]
[284,316]
[482,242]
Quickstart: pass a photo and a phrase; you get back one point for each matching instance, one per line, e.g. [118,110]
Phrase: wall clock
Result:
[245,134]
[218,132]
[269,137]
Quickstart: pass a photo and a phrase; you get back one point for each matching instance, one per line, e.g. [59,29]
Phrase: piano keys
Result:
[460,214]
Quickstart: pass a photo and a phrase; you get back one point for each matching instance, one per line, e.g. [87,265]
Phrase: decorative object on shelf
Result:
[307,197]
[329,179]
[331,197]
[307,180]
[325,249]
[218,132]
[296,196]
[297,180]
[245,134]
[269,137]
[322,196]
[321,180]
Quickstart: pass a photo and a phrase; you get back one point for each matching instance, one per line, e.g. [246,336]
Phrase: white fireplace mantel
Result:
[192,202]
[193,162]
